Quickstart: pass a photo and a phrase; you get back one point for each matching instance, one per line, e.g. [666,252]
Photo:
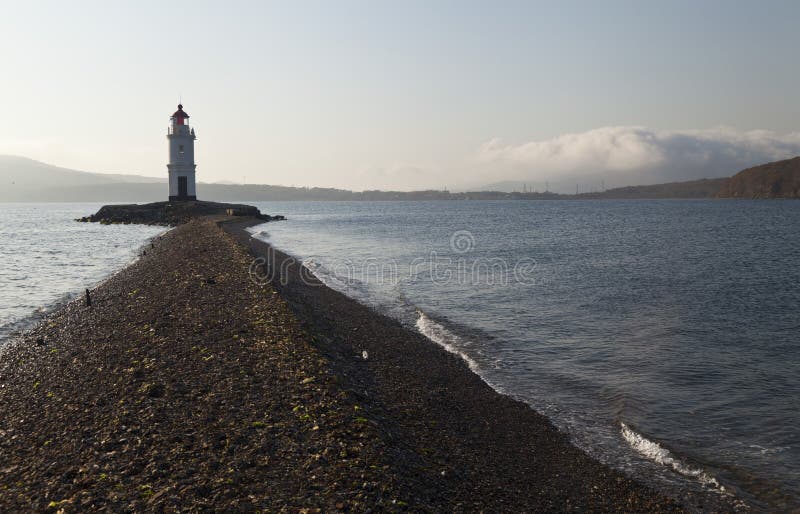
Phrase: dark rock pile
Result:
[172,213]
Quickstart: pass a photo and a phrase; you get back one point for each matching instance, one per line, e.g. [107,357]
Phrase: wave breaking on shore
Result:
[653,451]
[443,337]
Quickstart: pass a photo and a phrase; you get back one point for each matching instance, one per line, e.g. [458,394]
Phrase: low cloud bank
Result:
[622,156]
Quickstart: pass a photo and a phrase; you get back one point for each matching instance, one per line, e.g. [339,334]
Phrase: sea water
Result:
[46,258]
[661,335]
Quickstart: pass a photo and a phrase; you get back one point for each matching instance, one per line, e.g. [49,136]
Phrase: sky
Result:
[405,95]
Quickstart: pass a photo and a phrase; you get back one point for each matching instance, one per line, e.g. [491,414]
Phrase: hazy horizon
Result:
[364,96]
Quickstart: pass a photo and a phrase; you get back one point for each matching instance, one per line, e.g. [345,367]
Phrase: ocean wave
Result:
[431,329]
[330,279]
[258,232]
[764,450]
[437,333]
[660,455]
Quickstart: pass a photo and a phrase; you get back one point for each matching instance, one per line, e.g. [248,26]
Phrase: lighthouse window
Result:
[180,148]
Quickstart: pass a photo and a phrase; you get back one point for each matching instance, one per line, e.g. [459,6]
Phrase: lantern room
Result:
[180,117]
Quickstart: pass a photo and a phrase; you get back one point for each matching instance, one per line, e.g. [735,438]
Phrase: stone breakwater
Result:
[172,213]
[185,386]
[189,386]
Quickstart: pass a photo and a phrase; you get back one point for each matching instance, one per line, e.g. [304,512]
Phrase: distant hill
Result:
[779,179]
[24,172]
[23,179]
[703,188]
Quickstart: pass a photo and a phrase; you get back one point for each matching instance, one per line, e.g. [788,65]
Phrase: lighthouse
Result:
[181,165]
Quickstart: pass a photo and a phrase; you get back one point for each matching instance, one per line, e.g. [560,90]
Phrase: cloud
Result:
[637,155]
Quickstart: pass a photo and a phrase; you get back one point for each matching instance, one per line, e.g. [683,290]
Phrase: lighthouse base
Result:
[173,213]
[182,198]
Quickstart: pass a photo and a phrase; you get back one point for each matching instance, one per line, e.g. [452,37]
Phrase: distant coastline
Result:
[25,180]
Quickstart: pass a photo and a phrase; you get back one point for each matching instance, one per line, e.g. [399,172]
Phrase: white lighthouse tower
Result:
[181,157]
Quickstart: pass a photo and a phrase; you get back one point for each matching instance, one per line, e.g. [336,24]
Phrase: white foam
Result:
[763,450]
[443,337]
[426,326]
[257,231]
[327,278]
[660,455]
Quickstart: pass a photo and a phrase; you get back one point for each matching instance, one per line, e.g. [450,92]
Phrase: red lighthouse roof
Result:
[180,112]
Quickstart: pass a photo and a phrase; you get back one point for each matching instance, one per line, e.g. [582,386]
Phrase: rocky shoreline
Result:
[496,453]
[191,384]
[185,386]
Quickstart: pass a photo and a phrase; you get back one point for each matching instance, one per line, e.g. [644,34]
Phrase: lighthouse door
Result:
[183,190]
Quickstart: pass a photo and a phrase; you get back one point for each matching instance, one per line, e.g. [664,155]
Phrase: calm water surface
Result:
[661,334]
[46,257]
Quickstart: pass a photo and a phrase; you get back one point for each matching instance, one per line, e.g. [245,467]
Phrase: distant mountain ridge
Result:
[27,180]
